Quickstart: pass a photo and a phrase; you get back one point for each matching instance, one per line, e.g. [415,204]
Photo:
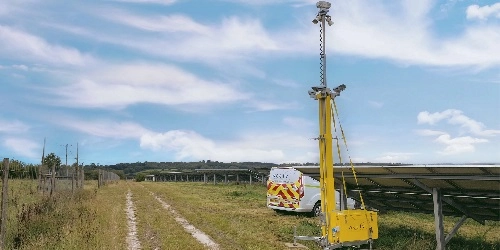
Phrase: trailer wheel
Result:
[316,211]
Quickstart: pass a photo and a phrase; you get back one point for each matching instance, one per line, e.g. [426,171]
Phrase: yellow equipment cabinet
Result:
[353,227]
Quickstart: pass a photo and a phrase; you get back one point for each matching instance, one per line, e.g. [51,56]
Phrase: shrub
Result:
[140,177]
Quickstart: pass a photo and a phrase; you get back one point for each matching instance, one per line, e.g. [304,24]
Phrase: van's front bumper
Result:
[299,210]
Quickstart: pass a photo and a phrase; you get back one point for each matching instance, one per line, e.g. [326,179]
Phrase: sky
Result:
[227,80]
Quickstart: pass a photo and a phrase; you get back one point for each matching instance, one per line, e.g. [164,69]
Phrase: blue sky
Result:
[227,80]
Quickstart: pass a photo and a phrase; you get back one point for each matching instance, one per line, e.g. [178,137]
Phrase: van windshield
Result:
[284,175]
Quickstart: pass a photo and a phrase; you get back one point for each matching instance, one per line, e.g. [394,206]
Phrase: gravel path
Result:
[132,240]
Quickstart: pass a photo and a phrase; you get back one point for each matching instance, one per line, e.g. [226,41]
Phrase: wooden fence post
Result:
[77,172]
[5,191]
[82,176]
[40,187]
[53,180]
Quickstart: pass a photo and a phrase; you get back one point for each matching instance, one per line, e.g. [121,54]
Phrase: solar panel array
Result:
[473,190]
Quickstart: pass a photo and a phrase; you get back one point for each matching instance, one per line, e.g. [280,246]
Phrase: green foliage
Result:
[140,177]
[119,173]
[52,160]
[20,170]
[130,169]
[91,174]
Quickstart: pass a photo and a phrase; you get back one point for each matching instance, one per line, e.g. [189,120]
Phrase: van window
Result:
[284,175]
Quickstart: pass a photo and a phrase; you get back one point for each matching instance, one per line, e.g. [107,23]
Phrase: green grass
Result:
[399,230]
[157,228]
[237,217]
[234,216]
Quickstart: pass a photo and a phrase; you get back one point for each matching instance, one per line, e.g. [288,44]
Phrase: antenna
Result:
[322,17]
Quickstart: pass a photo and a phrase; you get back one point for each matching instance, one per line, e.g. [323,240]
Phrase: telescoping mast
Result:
[339,228]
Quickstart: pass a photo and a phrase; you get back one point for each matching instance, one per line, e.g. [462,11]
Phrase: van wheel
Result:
[316,211]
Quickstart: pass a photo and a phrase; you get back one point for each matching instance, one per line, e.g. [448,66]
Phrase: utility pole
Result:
[77,167]
[66,165]
[67,154]
[41,167]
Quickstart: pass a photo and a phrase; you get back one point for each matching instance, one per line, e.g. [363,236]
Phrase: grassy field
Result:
[234,216]
[237,218]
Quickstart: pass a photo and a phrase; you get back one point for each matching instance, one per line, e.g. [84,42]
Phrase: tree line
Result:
[130,170]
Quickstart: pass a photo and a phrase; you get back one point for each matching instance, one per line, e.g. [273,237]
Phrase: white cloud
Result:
[121,85]
[428,132]
[295,122]
[23,147]
[20,67]
[395,157]
[13,126]
[426,117]
[183,38]
[448,5]
[367,30]
[172,23]
[189,145]
[458,145]
[477,12]
[286,83]
[104,128]
[21,45]
[361,29]
[163,2]
[456,117]
[271,2]
[374,30]
[262,105]
[376,104]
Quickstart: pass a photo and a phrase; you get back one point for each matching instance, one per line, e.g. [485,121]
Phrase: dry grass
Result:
[234,216]
[86,219]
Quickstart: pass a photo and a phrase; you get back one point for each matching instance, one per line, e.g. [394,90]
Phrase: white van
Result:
[288,189]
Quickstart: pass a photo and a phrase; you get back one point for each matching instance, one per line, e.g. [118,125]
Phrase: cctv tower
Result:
[339,228]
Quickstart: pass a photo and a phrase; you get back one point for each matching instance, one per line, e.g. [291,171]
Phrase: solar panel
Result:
[473,190]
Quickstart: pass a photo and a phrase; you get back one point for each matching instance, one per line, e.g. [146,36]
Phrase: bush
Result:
[140,177]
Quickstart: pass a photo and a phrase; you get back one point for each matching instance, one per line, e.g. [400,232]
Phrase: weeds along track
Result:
[132,240]
[158,228]
[196,233]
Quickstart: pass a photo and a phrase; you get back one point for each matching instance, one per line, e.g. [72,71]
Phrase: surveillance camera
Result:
[312,94]
[323,5]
